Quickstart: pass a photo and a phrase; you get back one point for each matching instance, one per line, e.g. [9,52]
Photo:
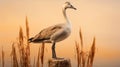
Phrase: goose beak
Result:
[73,8]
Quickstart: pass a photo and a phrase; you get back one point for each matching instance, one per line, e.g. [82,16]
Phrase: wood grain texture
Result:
[59,63]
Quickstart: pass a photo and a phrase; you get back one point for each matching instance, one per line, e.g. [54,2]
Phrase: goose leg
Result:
[53,50]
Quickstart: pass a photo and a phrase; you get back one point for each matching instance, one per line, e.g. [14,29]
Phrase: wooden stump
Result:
[59,63]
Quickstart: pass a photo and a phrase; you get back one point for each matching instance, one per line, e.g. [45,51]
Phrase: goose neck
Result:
[65,15]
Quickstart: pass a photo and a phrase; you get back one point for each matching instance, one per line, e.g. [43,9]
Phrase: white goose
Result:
[55,33]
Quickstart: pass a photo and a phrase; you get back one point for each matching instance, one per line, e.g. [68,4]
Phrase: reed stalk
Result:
[82,55]
[38,59]
[21,48]
[83,60]
[42,54]
[88,60]
[28,46]
[3,56]
[78,54]
[81,39]
[91,55]
[14,57]
[81,51]
[92,52]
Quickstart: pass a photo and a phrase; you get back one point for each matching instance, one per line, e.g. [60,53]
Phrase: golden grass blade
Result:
[28,46]
[88,60]
[78,54]
[91,55]
[27,56]
[14,56]
[27,36]
[24,51]
[83,60]
[42,53]
[82,53]
[27,28]
[38,59]
[3,55]
[21,48]
[81,39]
[80,59]
[20,37]
[92,52]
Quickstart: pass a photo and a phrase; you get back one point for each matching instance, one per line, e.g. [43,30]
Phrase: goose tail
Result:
[30,40]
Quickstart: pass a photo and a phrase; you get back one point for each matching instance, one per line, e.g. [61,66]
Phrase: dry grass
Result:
[21,48]
[24,51]
[14,57]
[3,55]
[38,59]
[81,39]
[28,46]
[42,54]
[83,59]
[78,54]
[91,55]
[23,59]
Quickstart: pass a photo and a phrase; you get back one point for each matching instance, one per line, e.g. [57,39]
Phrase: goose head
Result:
[68,5]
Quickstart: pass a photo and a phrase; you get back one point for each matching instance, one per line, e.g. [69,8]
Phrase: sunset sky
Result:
[99,18]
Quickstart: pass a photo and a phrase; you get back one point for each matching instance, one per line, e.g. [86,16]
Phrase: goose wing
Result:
[46,33]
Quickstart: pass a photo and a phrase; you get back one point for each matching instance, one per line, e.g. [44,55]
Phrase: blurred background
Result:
[99,18]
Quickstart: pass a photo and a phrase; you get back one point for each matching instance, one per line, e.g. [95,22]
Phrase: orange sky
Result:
[98,18]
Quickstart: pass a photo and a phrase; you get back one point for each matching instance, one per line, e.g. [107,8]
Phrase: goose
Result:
[55,33]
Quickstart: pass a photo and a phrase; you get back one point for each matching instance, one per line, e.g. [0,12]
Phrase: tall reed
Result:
[24,47]
[83,59]
[81,39]
[82,54]
[3,55]
[91,55]
[28,46]
[78,54]
[92,52]
[42,54]
[38,59]
[23,60]
[21,48]
[14,57]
